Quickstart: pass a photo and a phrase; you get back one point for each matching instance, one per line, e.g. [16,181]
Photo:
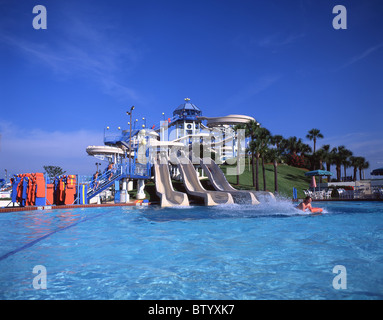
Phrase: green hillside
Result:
[288,177]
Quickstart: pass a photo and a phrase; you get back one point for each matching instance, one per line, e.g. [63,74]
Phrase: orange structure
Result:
[70,190]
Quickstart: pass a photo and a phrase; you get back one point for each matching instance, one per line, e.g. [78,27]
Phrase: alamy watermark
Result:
[39,281]
[340,280]
[40,20]
[340,20]
[221,145]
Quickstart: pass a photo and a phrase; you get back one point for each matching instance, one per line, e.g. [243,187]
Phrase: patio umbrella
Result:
[313,183]
[377,172]
[317,173]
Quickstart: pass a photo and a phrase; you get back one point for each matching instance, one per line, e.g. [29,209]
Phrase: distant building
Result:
[185,120]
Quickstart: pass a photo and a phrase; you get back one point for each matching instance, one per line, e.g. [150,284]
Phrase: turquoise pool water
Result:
[228,252]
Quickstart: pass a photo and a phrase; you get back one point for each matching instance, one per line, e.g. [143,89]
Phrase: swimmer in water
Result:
[305,204]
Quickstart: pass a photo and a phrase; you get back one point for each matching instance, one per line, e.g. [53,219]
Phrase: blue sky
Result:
[281,62]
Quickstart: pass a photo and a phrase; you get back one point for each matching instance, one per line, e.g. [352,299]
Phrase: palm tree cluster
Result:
[276,149]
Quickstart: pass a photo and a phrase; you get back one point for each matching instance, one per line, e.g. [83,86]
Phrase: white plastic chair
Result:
[349,194]
[341,193]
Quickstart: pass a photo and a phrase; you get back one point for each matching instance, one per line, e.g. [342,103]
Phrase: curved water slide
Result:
[164,187]
[194,187]
[219,181]
[107,151]
[231,119]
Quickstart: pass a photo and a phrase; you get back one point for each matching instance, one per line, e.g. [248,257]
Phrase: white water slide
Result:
[219,181]
[194,187]
[164,187]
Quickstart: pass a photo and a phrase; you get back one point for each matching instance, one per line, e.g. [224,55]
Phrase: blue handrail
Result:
[95,183]
[122,170]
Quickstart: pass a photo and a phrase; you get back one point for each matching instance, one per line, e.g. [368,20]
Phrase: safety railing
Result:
[122,170]
[104,179]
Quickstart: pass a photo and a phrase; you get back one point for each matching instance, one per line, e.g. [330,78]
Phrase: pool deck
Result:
[74,206]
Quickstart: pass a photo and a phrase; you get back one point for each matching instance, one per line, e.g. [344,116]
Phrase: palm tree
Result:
[314,134]
[263,139]
[364,165]
[304,148]
[337,160]
[345,154]
[317,158]
[277,140]
[340,156]
[292,145]
[251,128]
[326,157]
[356,162]
[274,154]
[253,148]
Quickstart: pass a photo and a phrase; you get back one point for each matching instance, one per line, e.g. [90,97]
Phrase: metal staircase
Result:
[104,183]
[108,178]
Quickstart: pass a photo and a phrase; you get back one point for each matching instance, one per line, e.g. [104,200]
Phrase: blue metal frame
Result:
[135,171]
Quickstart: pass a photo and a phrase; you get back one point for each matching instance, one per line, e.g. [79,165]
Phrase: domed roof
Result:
[187,106]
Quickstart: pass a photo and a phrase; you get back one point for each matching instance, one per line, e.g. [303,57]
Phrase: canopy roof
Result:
[377,172]
[318,173]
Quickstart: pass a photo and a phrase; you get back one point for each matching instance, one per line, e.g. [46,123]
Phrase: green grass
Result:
[288,177]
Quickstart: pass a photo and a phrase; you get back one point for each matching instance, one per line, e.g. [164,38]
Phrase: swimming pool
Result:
[227,252]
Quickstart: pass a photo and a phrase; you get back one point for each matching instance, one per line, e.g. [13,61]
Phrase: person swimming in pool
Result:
[306,205]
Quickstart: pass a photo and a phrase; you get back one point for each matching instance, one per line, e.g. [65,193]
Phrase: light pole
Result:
[143,119]
[129,113]
[97,164]
[107,128]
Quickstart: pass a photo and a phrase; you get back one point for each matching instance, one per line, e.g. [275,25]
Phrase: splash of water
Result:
[278,208]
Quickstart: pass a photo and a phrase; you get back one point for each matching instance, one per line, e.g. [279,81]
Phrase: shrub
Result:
[296,161]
